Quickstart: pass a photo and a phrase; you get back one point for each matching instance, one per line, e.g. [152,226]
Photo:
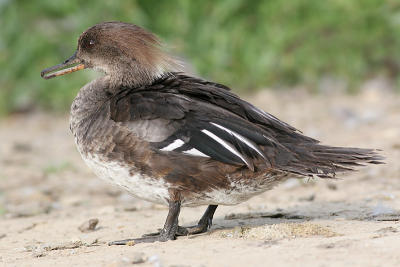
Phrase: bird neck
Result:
[89,101]
[134,77]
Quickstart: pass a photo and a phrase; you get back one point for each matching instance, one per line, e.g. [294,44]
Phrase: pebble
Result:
[89,225]
[332,186]
[130,208]
[308,198]
[22,147]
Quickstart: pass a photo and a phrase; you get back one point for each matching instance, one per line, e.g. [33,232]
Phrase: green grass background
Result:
[245,44]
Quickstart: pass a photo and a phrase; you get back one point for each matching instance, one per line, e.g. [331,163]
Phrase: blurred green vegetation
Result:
[244,44]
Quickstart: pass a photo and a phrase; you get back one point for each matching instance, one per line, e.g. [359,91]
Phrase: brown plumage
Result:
[171,138]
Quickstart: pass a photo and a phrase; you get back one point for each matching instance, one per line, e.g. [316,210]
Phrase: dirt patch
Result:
[280,231]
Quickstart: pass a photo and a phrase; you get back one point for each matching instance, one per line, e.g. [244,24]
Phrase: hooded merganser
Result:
[174,139]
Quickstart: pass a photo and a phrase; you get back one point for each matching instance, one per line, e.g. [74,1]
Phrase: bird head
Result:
[127,53]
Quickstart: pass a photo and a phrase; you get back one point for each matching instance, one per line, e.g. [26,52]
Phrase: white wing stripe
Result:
[195,152]
[240,137]
[263,113]
[226,145]
[177,143]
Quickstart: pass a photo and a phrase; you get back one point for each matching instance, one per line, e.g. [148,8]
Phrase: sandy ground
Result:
[47,193]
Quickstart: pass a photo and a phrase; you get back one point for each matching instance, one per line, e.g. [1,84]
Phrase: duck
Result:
[174,139]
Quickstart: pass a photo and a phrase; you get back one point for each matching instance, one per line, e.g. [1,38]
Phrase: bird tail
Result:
[326,161]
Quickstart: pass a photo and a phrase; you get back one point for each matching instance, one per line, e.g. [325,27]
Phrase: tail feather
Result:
[326,161]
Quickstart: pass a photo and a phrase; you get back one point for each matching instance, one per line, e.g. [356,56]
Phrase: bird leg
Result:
[167,233]
[202,226]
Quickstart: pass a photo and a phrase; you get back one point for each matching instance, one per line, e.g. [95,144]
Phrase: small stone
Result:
[396,146]
[89,226]
[90,241]
[39,250]
[38,254]
[130,243]
[22,147]
[309,198]
[139,257]
[130,208]
[326,246]
[332,186]
[74,243]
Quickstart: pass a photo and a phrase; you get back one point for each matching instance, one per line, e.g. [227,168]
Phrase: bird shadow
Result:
[306,212]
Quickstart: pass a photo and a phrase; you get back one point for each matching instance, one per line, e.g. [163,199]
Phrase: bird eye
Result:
[91,42]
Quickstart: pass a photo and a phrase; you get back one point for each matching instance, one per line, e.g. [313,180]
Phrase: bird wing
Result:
[179,114]
[197,118]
